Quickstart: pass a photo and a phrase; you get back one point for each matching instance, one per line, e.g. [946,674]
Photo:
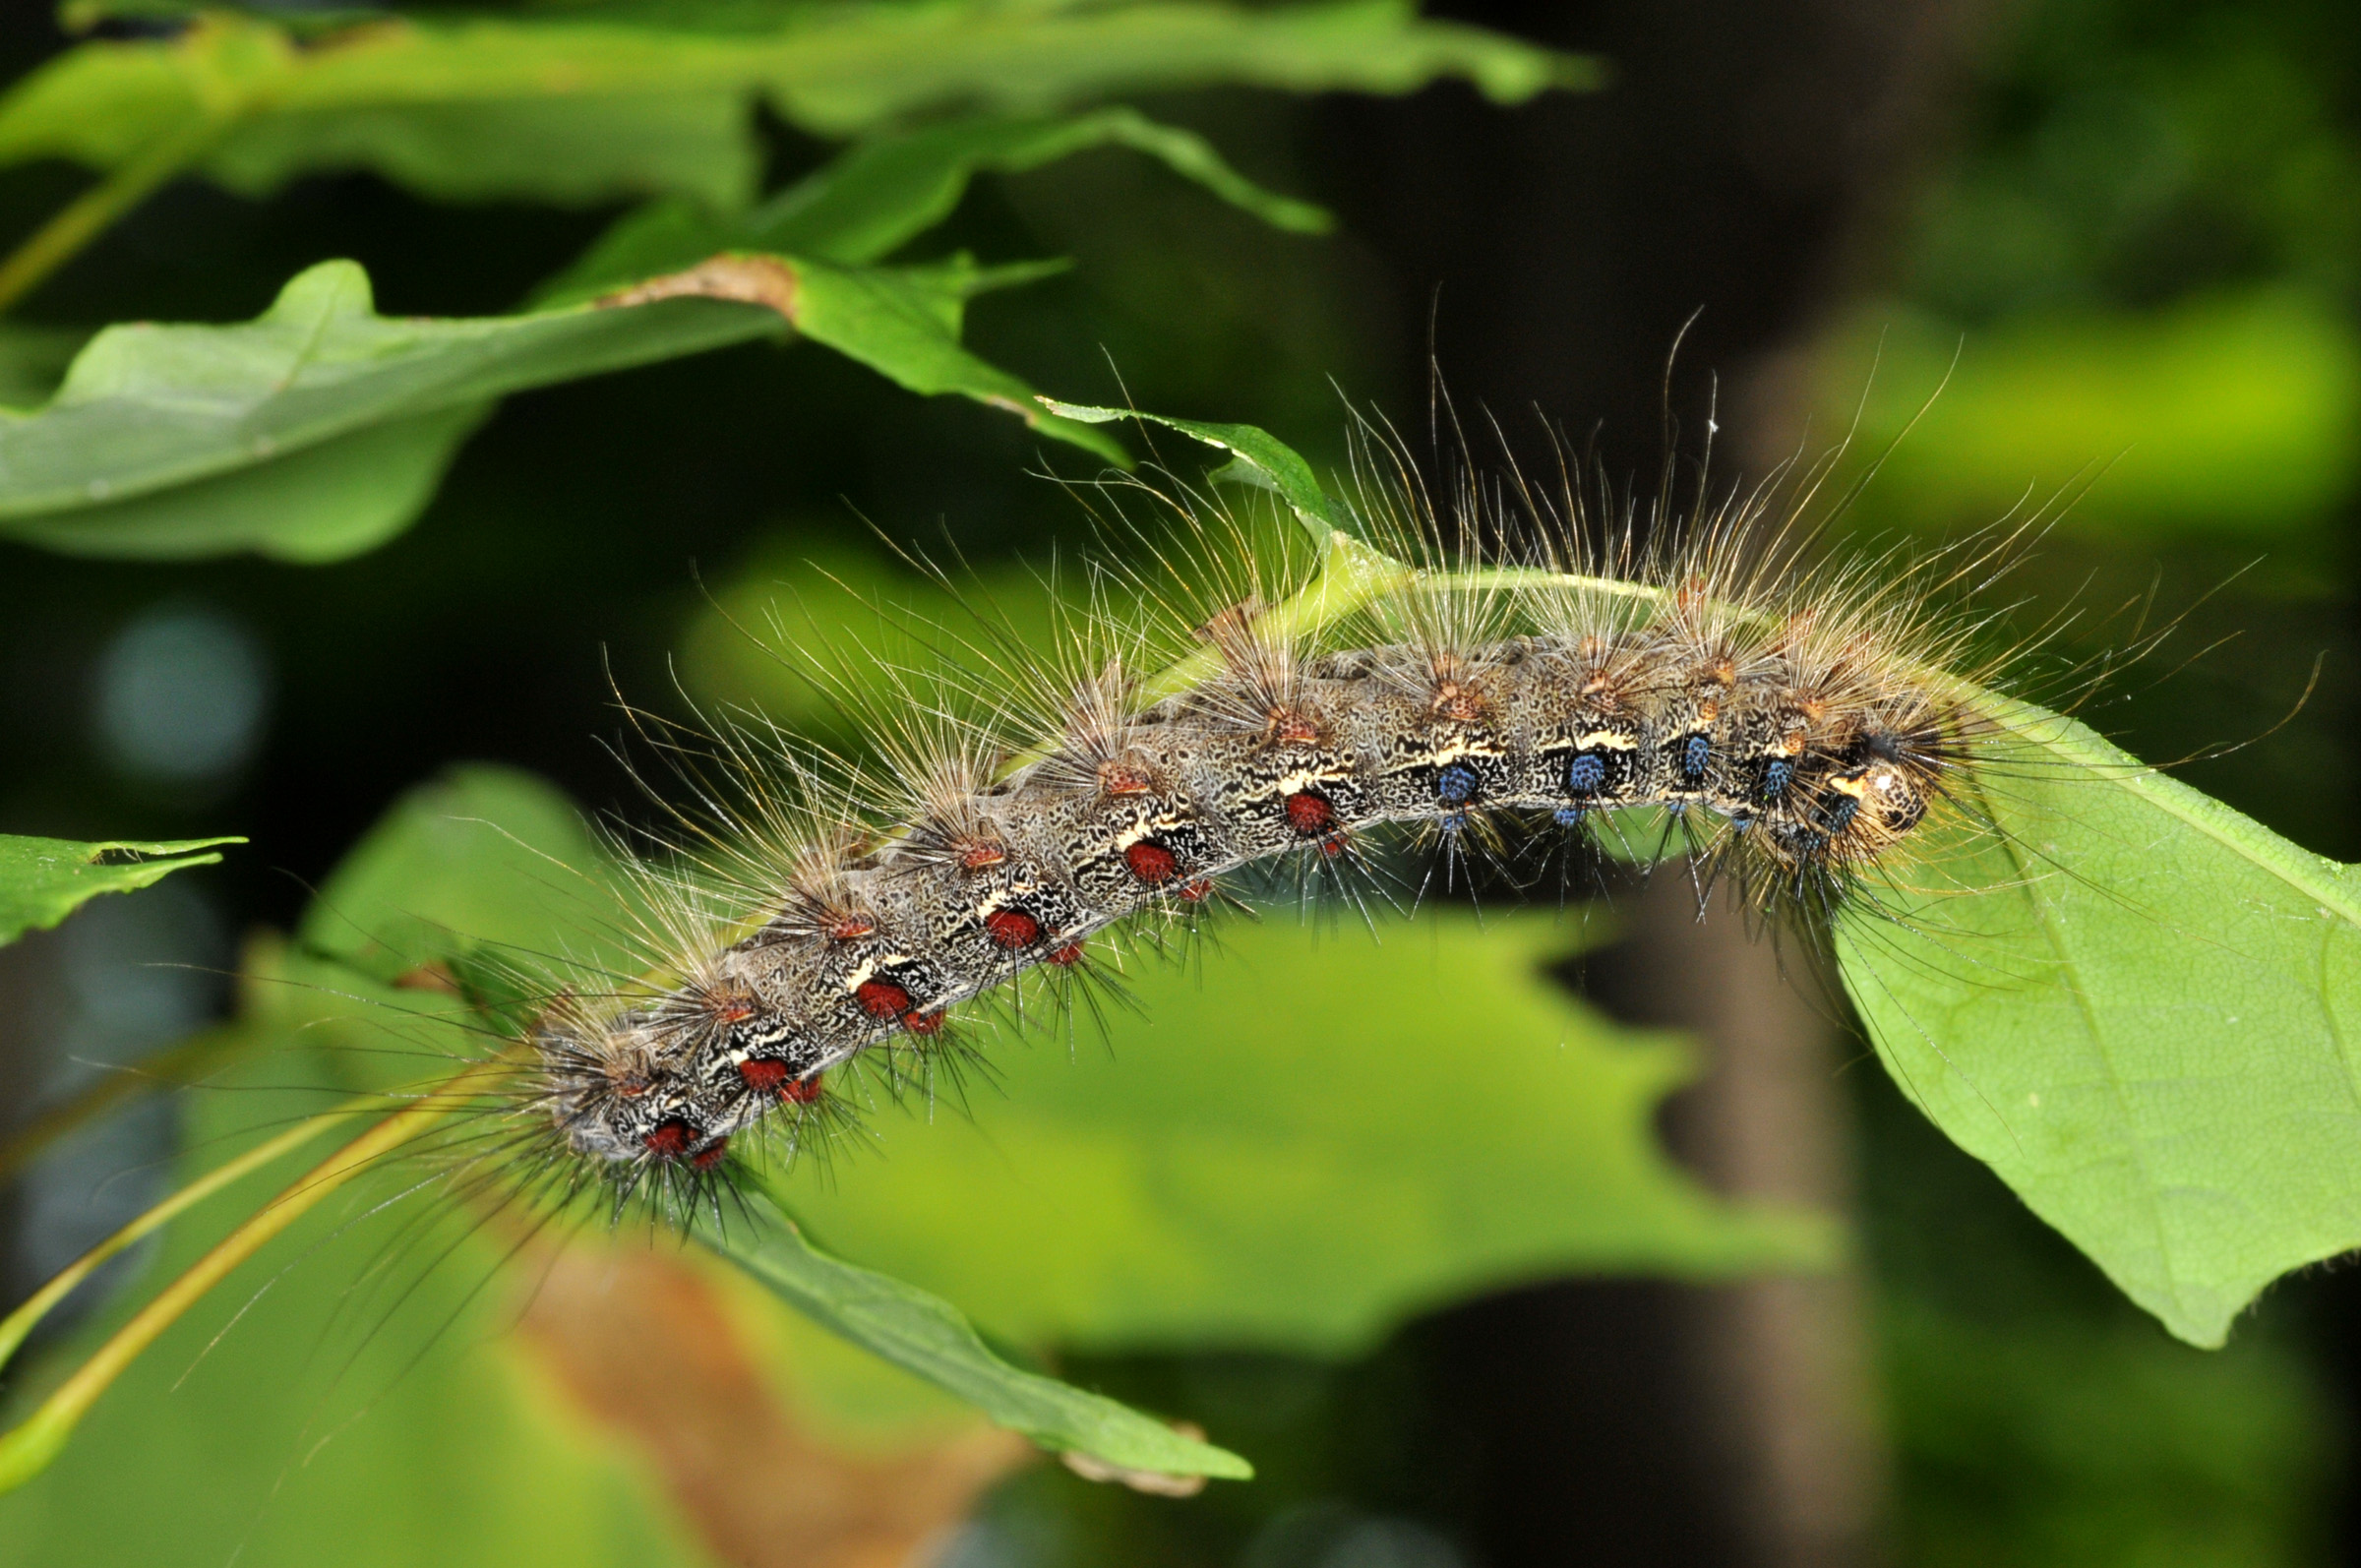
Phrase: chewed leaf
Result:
[42,881]
[926,1336]
[321,428]
[2142,1009]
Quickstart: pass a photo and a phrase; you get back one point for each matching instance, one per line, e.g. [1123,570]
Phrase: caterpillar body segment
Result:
[1787,725]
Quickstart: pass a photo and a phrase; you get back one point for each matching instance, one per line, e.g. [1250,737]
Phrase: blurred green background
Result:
[1440,1243]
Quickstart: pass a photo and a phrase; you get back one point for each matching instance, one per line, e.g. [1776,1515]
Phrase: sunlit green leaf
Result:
[2140,1007]
[884,191]
[622,106]
[42,881]
[926,1336]
[482,856]
[2236,417]
[1295,1144]
[320,428]
[1260,460]
[360,1371]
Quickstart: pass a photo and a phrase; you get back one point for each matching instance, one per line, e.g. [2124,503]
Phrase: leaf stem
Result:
[20,1323]
[28,1448]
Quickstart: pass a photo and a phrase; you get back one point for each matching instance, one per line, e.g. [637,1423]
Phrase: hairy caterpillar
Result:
[1481,666]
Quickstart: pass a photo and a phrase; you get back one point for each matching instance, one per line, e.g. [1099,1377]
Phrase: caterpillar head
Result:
[1855,801]
[616,1094]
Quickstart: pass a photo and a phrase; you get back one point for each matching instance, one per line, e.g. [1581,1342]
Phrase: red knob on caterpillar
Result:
[764,1076]
[1151,862]
[1308,814]
[669,1140]
[1012,927]
[881,999]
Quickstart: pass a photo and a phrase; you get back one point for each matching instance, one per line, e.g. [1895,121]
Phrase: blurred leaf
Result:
[1296,1145]
[42,881]
[363,1374]
[883,193]
[805,591]
[587,109]
[488,857]
[320,428]
[34,360]
[1252,1171]
[926,1336]
[574,152]
[2140,1008]
[2236,417]
[239,84]
[2044,1441]
[482,856]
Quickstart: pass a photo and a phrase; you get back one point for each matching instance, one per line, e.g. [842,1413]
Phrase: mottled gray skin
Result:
[1196,787]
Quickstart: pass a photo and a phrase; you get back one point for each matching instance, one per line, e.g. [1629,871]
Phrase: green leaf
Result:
[926,1336]
[483,856]
[905,324]
[164,414]
[884,191]
[1296,1144]
[2233,416]
[104,103]
[42,881]
[370,1368]
[339,498]
[1260,460]
[619,108]
[1243,1167]
[2140,1007]
[34,360]
[567,152]
[321,428]
[489,858]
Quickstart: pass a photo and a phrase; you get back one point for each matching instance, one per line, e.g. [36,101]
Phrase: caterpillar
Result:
[1464,672]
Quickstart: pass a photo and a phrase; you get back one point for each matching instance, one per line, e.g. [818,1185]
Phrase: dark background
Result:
[1975,1392]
